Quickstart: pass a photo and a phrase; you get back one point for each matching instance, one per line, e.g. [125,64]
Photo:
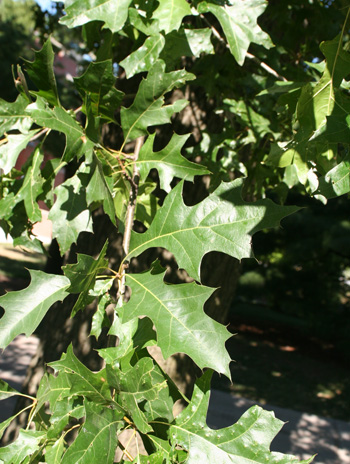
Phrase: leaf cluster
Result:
[163,51]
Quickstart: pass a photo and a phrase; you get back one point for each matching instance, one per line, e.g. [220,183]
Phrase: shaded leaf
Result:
[170,14]
[25,309]
[98,189]
[147,108]
[143,58]
[169,162]
[70,214]
[97,438]
[41,73]
[98,83]
[82,275]
[177,313]
[186,42]
[246,442]
[112,13]
[221,222]
[239,23]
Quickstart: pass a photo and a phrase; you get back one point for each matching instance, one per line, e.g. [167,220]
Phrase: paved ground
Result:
[303,435]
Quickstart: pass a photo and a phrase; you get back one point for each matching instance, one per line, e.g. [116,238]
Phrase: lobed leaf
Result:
[97,83]
[222,222]
[70,214]
[169,162]
[239,23]
[177,313]
[27,443]
[170,14]
[82,276]
[112,13]
[13,116]
[143,58]
[147,108]
[97,439]
[41,73]
[10,150]
[25,309]
[62,121]
[246,442]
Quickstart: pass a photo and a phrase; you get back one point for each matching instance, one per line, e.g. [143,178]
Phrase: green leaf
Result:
[143,58]
[6,391]
[98,189]
[26,444]
[177,313]
[41,73]
[54,454]
[222,222]
[100,318]
[239,23]
[62,121]
[112,13]
[336,182]
[146,25]
[169,162]
[82,276]
[32,187]
[13,115]
[97,439]
[81,380]
[70,214]
[5,424]
[25,309]
[186,42]
[133,335]
[97,83]
[9,151]
[246,442]
[147,108]
[170,14]
[143,382]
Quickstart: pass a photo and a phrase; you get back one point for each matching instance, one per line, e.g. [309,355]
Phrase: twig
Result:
[130,212]
[248,55]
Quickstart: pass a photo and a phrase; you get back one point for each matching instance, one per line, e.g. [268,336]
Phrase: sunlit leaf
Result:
[239,23]
[246,442]
[112,13]
[221,222]
[177,313]
[25,309]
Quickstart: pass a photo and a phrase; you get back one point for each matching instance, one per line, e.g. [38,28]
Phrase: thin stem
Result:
[130,212]
[248,55]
